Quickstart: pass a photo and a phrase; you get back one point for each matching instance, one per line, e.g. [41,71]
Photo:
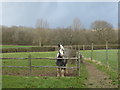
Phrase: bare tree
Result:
[42,24]
[73,35]
[104,30]
[41,31]
[76,24]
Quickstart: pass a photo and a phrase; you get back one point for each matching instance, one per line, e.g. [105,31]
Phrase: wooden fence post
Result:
[77,66]
[78,62]
[83,47]
[92,52]
[29,62]
[107,52]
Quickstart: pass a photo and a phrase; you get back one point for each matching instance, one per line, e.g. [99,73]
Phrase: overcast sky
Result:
[59,14]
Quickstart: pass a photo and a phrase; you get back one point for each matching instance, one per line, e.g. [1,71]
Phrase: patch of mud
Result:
[37,72]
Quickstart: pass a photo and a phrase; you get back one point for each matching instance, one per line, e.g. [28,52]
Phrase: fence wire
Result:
[107,56]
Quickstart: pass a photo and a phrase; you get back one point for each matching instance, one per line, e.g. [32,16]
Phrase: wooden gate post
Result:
[92,52]
[29,62]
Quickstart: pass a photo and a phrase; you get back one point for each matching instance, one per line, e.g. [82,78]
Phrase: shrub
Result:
[28,49]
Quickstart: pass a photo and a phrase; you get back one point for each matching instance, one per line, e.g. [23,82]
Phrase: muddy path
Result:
[97,78]
[39,72]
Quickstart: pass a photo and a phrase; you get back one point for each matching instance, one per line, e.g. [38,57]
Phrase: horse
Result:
[61,62]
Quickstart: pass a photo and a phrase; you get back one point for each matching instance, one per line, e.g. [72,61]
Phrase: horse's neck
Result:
[59,56]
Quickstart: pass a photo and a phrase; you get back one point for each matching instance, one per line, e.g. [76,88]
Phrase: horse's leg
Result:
[62,72]
[66,71]
[58,72]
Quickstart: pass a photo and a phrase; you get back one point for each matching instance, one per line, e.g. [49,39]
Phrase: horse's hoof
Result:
[66,72]
[62,76]
[58,75]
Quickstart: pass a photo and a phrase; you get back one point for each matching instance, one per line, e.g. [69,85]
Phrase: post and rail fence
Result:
[106,56]
[30,63]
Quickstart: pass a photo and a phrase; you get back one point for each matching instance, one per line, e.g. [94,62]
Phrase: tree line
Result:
[99,33]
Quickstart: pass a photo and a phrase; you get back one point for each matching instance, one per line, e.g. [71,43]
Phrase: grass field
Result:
[101,56]
[14,77]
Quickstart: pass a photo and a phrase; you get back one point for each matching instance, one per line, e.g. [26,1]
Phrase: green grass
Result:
[33,55]
[43,82]
[14,46]
[101,56]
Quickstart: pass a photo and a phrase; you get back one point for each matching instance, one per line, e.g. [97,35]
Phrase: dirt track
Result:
[97,79]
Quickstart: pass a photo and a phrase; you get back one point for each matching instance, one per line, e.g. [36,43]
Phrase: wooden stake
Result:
[29,61]
[92,52]
[107,52]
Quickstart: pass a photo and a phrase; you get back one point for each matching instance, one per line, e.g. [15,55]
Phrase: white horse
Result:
[61,62]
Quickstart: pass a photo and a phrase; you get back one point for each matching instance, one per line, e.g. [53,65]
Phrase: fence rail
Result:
[16,66]
[54,66]
[42,58]
[77,58]
[39,66]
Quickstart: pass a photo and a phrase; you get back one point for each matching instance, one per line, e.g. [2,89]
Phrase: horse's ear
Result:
[58,45]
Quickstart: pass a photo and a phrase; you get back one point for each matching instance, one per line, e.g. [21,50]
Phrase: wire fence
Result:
[108,55]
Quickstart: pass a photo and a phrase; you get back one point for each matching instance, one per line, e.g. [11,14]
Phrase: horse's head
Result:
[61,46]
[61,50]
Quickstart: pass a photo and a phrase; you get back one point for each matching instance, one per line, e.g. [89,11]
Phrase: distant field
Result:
[14,46]
[101,56]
